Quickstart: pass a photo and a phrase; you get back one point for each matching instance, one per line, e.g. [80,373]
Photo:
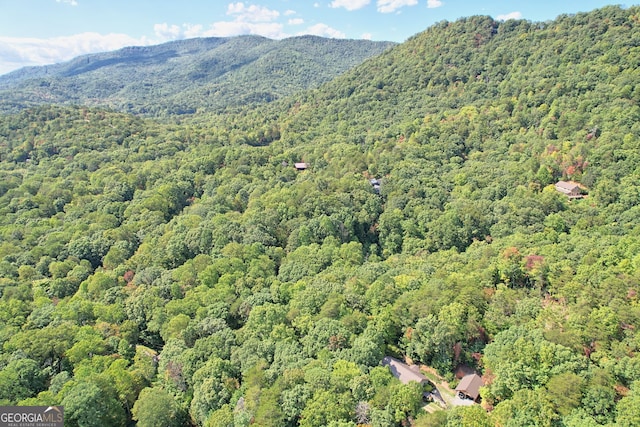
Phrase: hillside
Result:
[189,274]
[184,76]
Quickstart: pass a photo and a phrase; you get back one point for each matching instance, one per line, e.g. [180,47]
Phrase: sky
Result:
[40,32]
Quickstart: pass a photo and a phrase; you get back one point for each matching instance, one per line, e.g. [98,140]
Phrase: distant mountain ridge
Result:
[183,76]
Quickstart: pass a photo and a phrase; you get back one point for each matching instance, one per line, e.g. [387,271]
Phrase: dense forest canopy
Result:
[185,272]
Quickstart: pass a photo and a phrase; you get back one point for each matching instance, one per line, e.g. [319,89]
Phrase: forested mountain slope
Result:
[184,76]
[187,273]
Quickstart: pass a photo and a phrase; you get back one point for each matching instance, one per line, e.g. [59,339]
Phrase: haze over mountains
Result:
[180,270]
[183,76]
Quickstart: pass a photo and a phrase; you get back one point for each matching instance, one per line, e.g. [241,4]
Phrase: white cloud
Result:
[366,36]
[289,12]
[272,30]
[507,16]
[296,21]
[432,4]
[388,6]
[190,31]
[247,19]
[350,4]
[252,13]
[323,30]
[70,2]
[21,52]
[165,31]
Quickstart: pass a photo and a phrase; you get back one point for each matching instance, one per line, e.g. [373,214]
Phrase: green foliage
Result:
[527,407]
[325,407]
[184,270]
[20,379]
[627,413]
[88,404]
[521,358]
[155,407]
[213,386]
[404,400]
[469,416]
[565,392]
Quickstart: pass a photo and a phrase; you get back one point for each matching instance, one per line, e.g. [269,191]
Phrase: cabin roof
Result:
[402,371]
[567,186]
[470,385]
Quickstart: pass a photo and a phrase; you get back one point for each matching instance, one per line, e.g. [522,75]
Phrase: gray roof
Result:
[402,371]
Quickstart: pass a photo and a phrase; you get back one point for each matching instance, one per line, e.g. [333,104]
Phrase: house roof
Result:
[470,385]
[567,186]
[301,165]
[402,371]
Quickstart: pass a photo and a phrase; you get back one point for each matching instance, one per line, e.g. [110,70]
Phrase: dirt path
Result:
[440,383]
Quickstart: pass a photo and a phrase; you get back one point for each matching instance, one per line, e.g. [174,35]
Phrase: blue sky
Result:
[39,32]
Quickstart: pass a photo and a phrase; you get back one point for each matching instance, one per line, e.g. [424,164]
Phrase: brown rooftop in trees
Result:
[470,386]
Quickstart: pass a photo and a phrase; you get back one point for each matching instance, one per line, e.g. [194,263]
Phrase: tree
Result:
[222,417]
[88,343]
[627,408]
[326,406]
[268,412]
[293,401]
[522,358]
[87,404]
[468,416]
[213,386]
[20,379]
[367,348]
[342,374]
[326,334]
[404,400]
[565,391]
[599,402]
[526,408]
[155,407]
[127,383]
[47,344]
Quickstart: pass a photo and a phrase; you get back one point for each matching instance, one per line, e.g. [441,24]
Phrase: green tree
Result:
[565,391]
[213,386]
[87,404]
[21,378]
[326,406]
[526,408]
[222,417]
[155,407]
[522,358]
[405,400]
[627,408]
[468,416]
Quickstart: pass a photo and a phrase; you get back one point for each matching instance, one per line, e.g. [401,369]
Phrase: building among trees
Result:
[469,387]
[404,372]
[571,189]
